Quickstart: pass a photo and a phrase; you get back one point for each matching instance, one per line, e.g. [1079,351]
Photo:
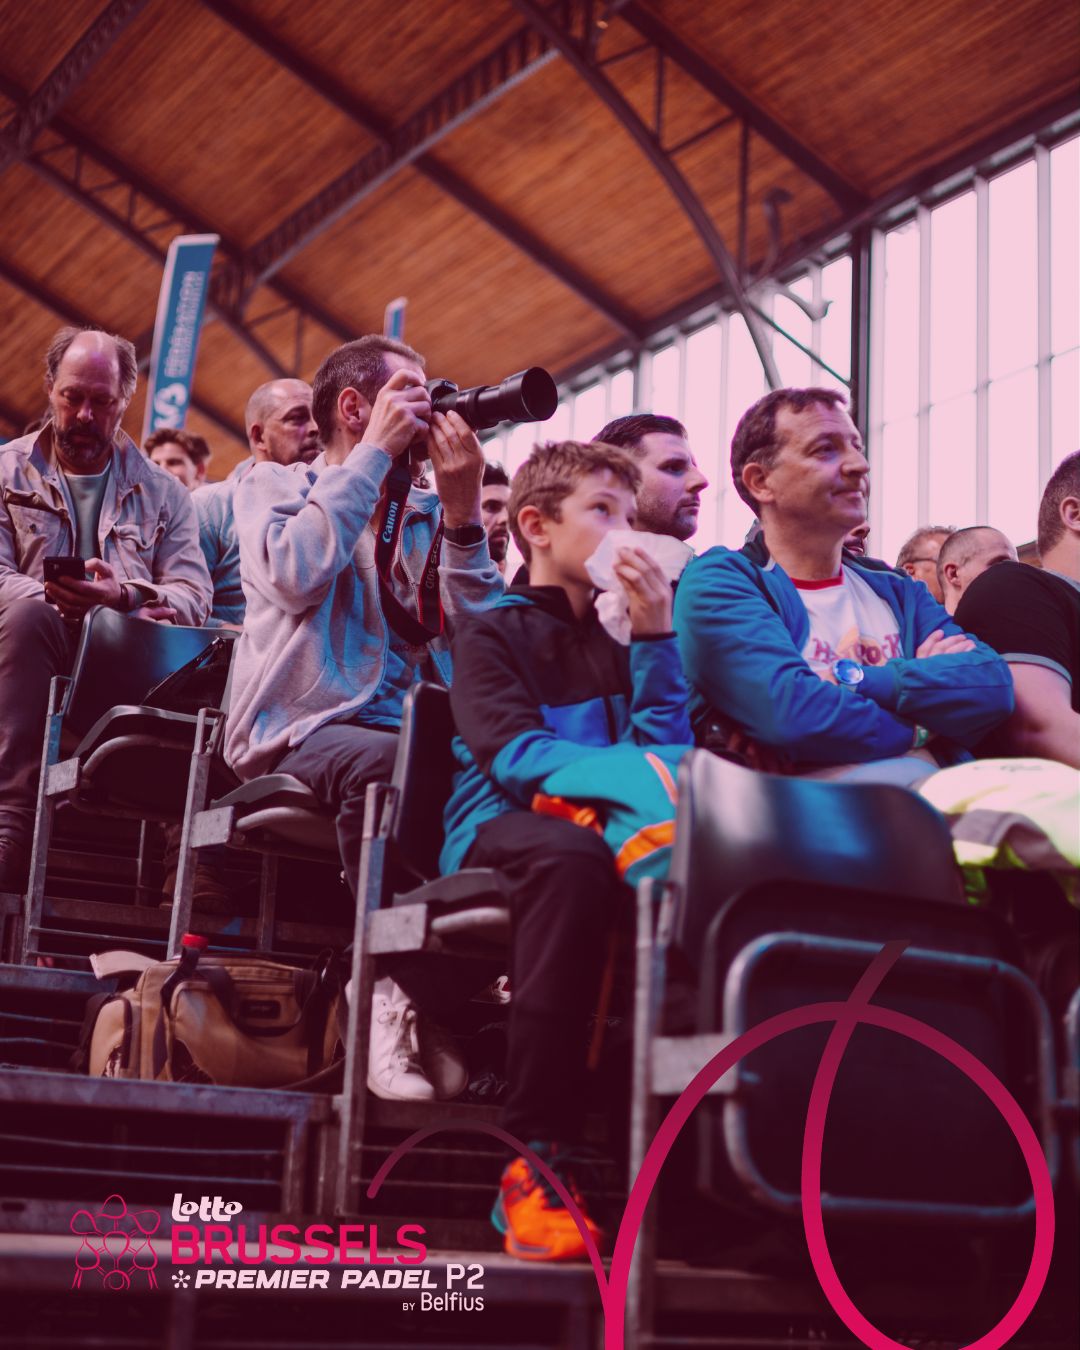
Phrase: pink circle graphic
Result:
[845,1016]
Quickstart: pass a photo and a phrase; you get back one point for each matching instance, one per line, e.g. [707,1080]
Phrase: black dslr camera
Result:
[529,396]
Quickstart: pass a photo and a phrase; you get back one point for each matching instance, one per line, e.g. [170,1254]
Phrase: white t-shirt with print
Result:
[848,619]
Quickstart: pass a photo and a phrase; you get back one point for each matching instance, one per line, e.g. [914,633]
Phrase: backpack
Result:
[234,1019]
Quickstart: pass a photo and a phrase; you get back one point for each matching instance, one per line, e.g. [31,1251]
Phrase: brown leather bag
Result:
[242,1020]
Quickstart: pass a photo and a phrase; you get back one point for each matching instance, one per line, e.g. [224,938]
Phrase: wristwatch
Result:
[846,671]
[464,534]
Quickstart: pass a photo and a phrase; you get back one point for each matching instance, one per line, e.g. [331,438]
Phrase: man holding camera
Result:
[353,571]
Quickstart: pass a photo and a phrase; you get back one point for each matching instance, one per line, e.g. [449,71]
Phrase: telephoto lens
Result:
[528,396]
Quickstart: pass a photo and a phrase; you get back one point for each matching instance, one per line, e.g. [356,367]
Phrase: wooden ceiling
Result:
[348,153]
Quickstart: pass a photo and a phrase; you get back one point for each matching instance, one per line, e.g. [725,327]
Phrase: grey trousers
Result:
[35,645]
[338,762]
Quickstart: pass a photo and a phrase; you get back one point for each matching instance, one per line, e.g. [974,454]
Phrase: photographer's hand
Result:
[400,414]
[458,460]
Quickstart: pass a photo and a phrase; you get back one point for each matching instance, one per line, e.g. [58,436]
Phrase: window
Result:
[978,372]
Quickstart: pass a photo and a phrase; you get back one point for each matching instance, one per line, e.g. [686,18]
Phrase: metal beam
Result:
[446,179]
[861,290]
[70,186]
[648,141]
[65,171]
[71,313]
[768,128]
[62,81]
[475,89]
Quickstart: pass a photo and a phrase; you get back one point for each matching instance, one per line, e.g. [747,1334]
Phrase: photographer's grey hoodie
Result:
[313,649]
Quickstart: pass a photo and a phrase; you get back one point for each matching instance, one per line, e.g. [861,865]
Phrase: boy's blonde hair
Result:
[553,471]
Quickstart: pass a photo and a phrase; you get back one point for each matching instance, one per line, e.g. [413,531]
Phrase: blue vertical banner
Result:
[394,319]
[181,305]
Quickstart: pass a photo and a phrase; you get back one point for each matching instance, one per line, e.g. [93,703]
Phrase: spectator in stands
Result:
[537,679]
[346,584]
[280,430]
[79,487]
[181,453]
[835,664]
[1031,616]
[918,557]
[669,498]
[494,495]
[965,555]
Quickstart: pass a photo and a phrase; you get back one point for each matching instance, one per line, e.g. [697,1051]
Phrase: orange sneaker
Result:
[534,1222]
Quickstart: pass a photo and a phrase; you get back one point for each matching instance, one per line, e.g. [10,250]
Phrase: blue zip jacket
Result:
[534,686]
[742,626]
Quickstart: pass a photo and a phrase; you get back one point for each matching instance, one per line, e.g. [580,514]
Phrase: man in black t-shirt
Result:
[1032,617]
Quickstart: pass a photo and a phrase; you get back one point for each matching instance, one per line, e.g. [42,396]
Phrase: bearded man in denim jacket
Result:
[79,487]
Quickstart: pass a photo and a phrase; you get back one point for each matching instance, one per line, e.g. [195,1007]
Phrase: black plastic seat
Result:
[466,914]
[134,762]
[781,891]
[278,812]
[131,761]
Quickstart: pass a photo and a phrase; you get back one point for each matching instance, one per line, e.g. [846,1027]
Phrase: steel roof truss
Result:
[71,313]
[64,79]
[570,29]
[445,178]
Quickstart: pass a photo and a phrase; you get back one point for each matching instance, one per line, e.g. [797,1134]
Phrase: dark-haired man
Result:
[1031,615]
[79,487]
[494,496]
[838,665]
[182,453]
[353,573]
[669,499]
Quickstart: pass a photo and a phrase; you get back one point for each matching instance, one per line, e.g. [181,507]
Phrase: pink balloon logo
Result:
[845,1016]
[115,1240]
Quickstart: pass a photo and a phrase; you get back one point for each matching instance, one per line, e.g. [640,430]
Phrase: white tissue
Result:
[613,604]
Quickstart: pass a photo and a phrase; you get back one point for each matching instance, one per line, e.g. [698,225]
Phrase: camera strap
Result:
[430,621]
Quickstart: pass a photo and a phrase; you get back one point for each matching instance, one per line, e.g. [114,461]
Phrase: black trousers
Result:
[568,902]
[35,645]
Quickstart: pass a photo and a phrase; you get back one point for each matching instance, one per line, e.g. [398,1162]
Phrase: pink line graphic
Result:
[845,1016]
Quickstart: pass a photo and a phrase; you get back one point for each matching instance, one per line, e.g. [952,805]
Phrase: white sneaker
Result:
[395,1072]
[442,1060]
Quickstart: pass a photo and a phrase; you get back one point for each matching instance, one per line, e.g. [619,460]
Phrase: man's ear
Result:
[533,525]
[1070,514]
[950,575]
[354,410]
[754,477]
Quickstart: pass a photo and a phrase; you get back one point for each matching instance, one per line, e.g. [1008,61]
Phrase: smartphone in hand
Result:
[61,567]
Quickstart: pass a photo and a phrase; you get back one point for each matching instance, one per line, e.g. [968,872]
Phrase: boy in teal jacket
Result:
[539,689]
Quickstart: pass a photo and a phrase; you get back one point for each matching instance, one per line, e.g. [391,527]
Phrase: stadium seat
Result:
[275,816]
[406,906]
[781,891]
[132,760]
